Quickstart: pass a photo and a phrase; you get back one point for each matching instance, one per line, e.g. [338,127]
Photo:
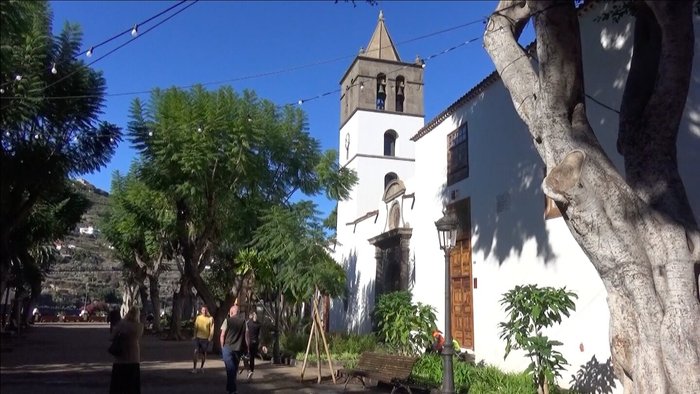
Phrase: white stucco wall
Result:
[512,243]
[366,130]
[357,256]
[365,155]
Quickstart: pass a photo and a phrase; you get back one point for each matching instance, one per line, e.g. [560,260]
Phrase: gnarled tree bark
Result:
[639,231]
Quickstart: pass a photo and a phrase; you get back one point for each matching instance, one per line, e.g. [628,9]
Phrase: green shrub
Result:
[531,309]
[351,343]
[405,327]
[470,378]
[339,357]
[294,342]
[428,370]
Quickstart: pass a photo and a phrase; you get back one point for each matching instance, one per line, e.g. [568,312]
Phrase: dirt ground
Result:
[72,358]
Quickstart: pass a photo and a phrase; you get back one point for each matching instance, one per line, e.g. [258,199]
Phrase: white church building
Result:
[476,157]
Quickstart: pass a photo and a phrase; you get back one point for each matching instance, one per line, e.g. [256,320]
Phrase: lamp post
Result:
[447,227]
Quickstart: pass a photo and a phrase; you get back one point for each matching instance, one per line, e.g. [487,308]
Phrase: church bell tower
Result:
[381,107]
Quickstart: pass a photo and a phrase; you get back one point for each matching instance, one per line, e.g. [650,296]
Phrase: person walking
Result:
[126,369]
[114,317]
[36,315]
[203,334]
[253,339]
[232,342]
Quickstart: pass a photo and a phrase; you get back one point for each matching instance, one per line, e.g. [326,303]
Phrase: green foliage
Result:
[531,309]
[139,223]
[201,143]
[294,342]
[44,141]
[403,326]
[348,360]
[229,163]
[428,370]
[344,348]
[470,378]
[293,240]
[351,343]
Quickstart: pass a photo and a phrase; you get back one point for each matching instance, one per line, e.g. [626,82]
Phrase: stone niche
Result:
[393,191]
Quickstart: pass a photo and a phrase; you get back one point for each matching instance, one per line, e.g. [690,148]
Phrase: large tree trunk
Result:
[155,300]
[35,292]
[129,297]
[178,303]
[639,233]
[143,294]
[4,273]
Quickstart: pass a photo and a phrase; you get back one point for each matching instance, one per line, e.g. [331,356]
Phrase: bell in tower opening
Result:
[381,91]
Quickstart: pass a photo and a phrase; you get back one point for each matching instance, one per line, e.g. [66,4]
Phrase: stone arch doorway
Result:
[392,254]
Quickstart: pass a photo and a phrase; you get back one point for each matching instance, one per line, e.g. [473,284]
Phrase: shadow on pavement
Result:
[72,358]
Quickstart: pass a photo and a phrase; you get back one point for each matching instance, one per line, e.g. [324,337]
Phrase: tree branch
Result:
[653,105]
[511,60]
[641,77]
[559,55]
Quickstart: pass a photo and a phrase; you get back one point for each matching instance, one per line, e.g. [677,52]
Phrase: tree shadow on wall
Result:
[594,378]
[353,313]
[504,181]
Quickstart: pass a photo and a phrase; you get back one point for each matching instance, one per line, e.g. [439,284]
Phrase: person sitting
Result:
[438,341]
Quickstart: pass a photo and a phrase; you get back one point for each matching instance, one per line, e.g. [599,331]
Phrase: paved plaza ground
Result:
[72,358]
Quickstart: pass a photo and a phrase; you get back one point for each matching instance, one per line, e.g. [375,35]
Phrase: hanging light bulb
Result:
[111,139]
[2,91]
[89,52]
[7,134]
[135,31]
[300,102]
[150,134]
[54,71]
[362,85]
[18,77]
[36,136]
[199,129]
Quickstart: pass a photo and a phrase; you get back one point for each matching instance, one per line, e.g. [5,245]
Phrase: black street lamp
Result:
[447,227]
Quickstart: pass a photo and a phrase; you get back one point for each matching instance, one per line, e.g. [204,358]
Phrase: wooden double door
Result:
[461,282]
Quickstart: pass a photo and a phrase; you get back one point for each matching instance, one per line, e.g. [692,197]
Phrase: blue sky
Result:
[234,40]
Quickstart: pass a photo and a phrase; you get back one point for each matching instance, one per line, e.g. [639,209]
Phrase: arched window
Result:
[390,143]
[388,178]
[400,91]
[381,91]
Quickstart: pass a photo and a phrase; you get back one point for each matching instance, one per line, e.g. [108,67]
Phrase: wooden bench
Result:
[392,369]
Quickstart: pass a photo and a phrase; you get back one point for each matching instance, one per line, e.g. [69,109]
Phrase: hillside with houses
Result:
[87,269]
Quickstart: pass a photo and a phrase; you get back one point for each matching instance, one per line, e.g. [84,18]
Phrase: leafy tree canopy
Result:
[44,140]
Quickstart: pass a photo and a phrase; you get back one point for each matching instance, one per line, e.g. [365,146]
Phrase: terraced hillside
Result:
[88,264]
[89,269]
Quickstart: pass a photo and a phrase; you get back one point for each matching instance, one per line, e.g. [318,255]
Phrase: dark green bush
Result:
[340,343]
[474,379]
[294,342]
[403,326]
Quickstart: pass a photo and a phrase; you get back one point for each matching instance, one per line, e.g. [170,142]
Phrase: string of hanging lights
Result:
[261,75]
[133,30]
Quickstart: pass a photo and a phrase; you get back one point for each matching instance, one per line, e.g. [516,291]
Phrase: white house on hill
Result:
[476,157]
